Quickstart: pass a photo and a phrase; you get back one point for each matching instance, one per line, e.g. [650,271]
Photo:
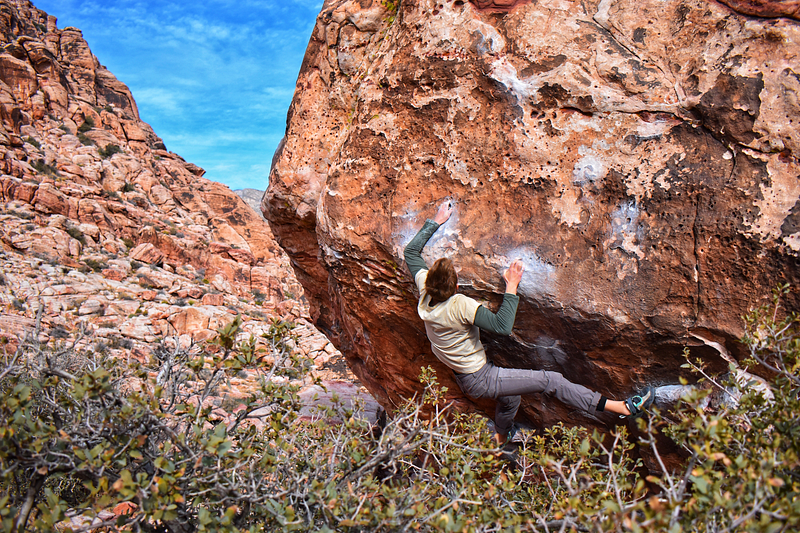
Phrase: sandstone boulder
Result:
[194,320]
[146,253]
[213,299]
[640,157]
[114,274]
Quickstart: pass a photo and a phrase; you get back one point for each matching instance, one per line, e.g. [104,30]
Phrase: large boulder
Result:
[639,156]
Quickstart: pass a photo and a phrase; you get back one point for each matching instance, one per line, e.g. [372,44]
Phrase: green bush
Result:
[114,195]
[95,265]
[88,124]
[76,234]
[109,150]
[43,168]
[258,296]
[85,140]
[22,214]
[74,441]
[33,142]
[742,471]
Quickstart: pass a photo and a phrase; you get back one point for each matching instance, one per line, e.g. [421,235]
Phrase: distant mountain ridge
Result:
[252,197]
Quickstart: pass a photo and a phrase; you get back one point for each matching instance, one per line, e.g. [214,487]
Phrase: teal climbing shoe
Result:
[512,433]
[638,404]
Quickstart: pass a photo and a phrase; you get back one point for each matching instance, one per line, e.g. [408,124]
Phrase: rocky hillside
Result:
[639,156]
[103,229]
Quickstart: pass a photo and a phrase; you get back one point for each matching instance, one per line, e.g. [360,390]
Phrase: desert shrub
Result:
[146,283]
[30,140]
[59,332]
[76,234]
[128,187]
[742,471]
[255,313]
[424,467]
[43,168]
[121,343]
[95,265]
[85,140]
[109,150]
[391,6]
[25,215]
[88,124]
[258,296]
[113,195]
[68,420]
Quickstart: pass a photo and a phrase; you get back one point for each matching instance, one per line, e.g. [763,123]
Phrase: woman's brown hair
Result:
[442,281]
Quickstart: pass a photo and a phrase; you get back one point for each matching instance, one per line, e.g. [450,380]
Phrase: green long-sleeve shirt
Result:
[501,322]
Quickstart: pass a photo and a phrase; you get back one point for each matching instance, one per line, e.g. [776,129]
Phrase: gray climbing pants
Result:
[506,384]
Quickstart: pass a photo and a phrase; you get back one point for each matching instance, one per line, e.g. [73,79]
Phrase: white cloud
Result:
[157,98]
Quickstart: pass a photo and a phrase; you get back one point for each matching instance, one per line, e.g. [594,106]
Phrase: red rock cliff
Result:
[100,226]
[640,157]
[104,232]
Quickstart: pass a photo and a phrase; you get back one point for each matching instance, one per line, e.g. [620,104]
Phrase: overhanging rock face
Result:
[639,156]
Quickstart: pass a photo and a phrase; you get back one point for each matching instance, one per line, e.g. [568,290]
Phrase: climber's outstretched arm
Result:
[502,322]
[413,250]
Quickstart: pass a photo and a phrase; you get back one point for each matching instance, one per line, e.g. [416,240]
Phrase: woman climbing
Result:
[453,322]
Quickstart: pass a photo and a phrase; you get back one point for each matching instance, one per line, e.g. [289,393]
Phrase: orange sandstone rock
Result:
[640,157]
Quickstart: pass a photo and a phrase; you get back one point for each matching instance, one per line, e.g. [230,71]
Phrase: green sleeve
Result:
[413,251]
[501,322]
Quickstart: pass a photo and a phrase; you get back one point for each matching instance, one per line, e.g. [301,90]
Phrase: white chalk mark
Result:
[539,277]
[443,243]
[669,394]
[626,232]
[588,169]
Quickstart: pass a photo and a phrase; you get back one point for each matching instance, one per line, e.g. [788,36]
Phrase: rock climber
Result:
[453,322]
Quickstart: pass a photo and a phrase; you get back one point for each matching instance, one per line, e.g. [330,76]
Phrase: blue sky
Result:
[213,78]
